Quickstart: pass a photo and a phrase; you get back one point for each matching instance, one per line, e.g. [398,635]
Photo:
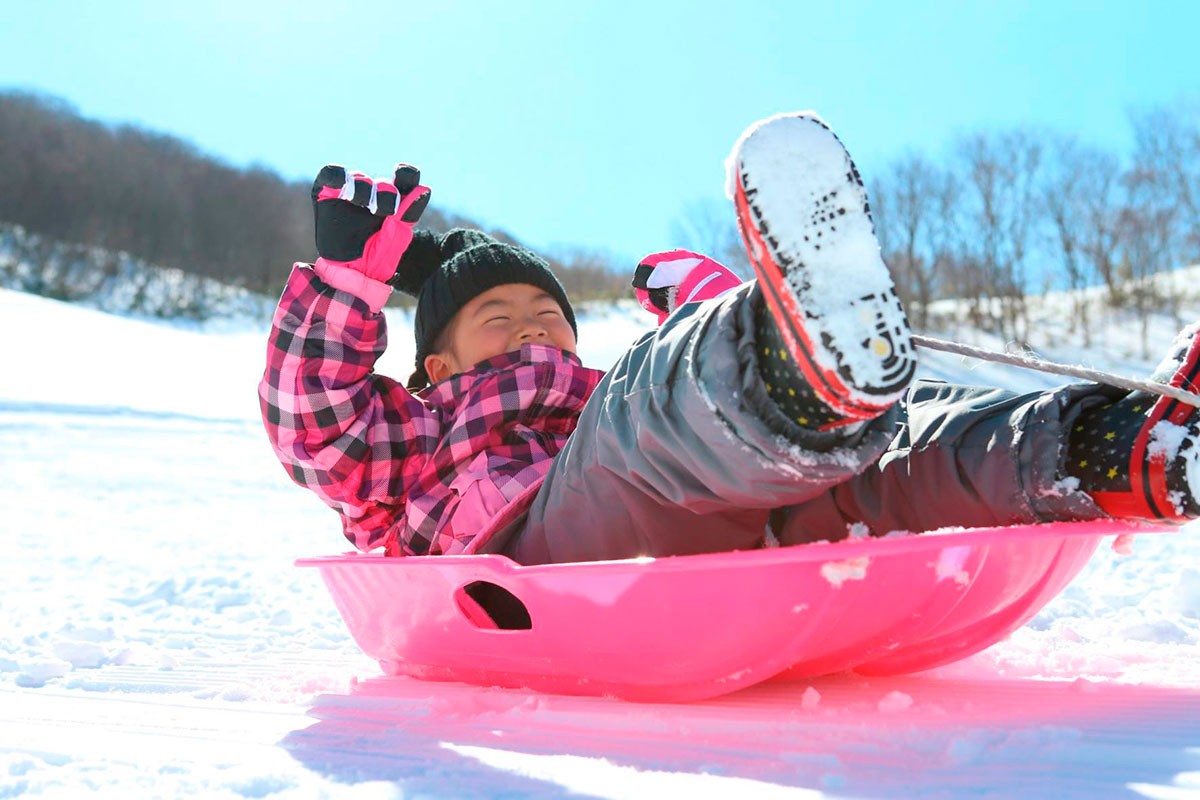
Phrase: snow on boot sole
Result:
[804,217]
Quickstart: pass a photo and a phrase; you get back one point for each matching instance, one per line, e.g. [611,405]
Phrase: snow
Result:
[811,211]
[949,565]
[156,640]
[838,572]
[1166,439]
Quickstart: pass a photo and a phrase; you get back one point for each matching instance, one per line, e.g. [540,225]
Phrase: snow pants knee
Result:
[680,451]
[963,456]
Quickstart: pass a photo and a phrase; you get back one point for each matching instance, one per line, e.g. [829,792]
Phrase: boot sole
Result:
[804,217]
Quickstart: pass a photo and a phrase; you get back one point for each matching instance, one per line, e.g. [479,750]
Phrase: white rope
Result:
[1042,365]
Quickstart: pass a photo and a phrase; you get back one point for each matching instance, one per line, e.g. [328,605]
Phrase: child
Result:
[785,400]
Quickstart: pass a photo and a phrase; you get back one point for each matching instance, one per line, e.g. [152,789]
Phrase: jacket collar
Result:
[446,392]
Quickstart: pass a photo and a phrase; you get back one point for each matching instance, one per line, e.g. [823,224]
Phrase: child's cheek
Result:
[501,340]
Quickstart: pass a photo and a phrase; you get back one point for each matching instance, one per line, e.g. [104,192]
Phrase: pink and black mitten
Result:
[363,227]
[665,281]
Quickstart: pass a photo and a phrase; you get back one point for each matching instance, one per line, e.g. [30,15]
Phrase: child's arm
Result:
[665,281]
[354,438]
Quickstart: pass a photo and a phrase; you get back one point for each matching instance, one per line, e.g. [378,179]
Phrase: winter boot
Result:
[834,344]
[1137,457]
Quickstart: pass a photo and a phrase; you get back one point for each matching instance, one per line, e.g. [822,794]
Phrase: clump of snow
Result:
[1165,439]
[1168,441]
[851,569]
[35,671]
[800,458]
[1063,487]
[1123,544]
[81,655]
[949,565]
[1178,500]
[810,699]
[898,533]
[858,530]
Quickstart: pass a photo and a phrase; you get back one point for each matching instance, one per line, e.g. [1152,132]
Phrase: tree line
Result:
[1001,216]
[1006,214]
[996,218]
[125,189]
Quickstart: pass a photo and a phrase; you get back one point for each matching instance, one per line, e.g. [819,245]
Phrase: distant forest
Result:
[156,197]
[1005,214]
[996,217]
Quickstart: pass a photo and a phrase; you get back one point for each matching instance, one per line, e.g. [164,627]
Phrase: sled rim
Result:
[708,624]
[811,552]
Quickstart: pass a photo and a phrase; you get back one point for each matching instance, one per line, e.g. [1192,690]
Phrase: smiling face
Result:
[499,321]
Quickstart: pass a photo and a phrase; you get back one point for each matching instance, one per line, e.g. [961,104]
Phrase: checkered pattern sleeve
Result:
[357,439]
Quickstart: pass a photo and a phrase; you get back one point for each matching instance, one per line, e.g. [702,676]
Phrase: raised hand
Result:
[367,224]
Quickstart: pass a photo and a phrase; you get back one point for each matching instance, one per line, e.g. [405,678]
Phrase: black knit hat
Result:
[446,273]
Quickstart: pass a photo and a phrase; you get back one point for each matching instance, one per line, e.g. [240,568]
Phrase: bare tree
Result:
[1190,181]
[1000,174]
[1167,160]
[913,212]
[592,274]
[1078,195]
[1144,232]
[1150,224]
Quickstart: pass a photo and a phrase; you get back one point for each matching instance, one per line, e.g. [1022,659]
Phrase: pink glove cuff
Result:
[345,278]
[690,276]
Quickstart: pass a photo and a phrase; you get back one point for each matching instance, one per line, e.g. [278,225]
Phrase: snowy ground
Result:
[156,640]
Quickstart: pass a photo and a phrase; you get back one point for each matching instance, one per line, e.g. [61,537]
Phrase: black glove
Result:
[367,225]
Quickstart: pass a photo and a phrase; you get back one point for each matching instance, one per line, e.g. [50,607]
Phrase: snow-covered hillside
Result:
[156,640]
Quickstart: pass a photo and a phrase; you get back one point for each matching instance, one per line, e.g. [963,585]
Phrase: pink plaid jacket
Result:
[431,474]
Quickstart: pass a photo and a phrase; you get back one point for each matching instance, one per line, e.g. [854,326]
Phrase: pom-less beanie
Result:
[445,273]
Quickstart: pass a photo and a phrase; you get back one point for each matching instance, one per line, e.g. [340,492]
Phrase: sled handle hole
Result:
[492,607]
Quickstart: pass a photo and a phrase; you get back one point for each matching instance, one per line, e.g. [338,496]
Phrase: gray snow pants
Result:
[680,451]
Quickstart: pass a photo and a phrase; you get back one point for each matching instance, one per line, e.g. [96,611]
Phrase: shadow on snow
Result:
[850,735]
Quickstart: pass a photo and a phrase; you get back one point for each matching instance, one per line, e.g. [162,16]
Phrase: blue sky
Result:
[593,124]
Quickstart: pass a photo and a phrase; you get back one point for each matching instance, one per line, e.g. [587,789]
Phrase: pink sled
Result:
[692,627]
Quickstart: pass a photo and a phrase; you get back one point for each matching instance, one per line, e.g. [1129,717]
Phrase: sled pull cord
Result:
[1042,365]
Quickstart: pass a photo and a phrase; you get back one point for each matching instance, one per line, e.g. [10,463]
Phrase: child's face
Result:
[499,321]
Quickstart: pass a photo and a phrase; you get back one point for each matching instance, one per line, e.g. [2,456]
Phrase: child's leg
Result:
[681,451]
[767,397]
[976,457]
[964,456]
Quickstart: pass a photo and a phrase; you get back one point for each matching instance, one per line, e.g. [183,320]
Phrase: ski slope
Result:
[156,640]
